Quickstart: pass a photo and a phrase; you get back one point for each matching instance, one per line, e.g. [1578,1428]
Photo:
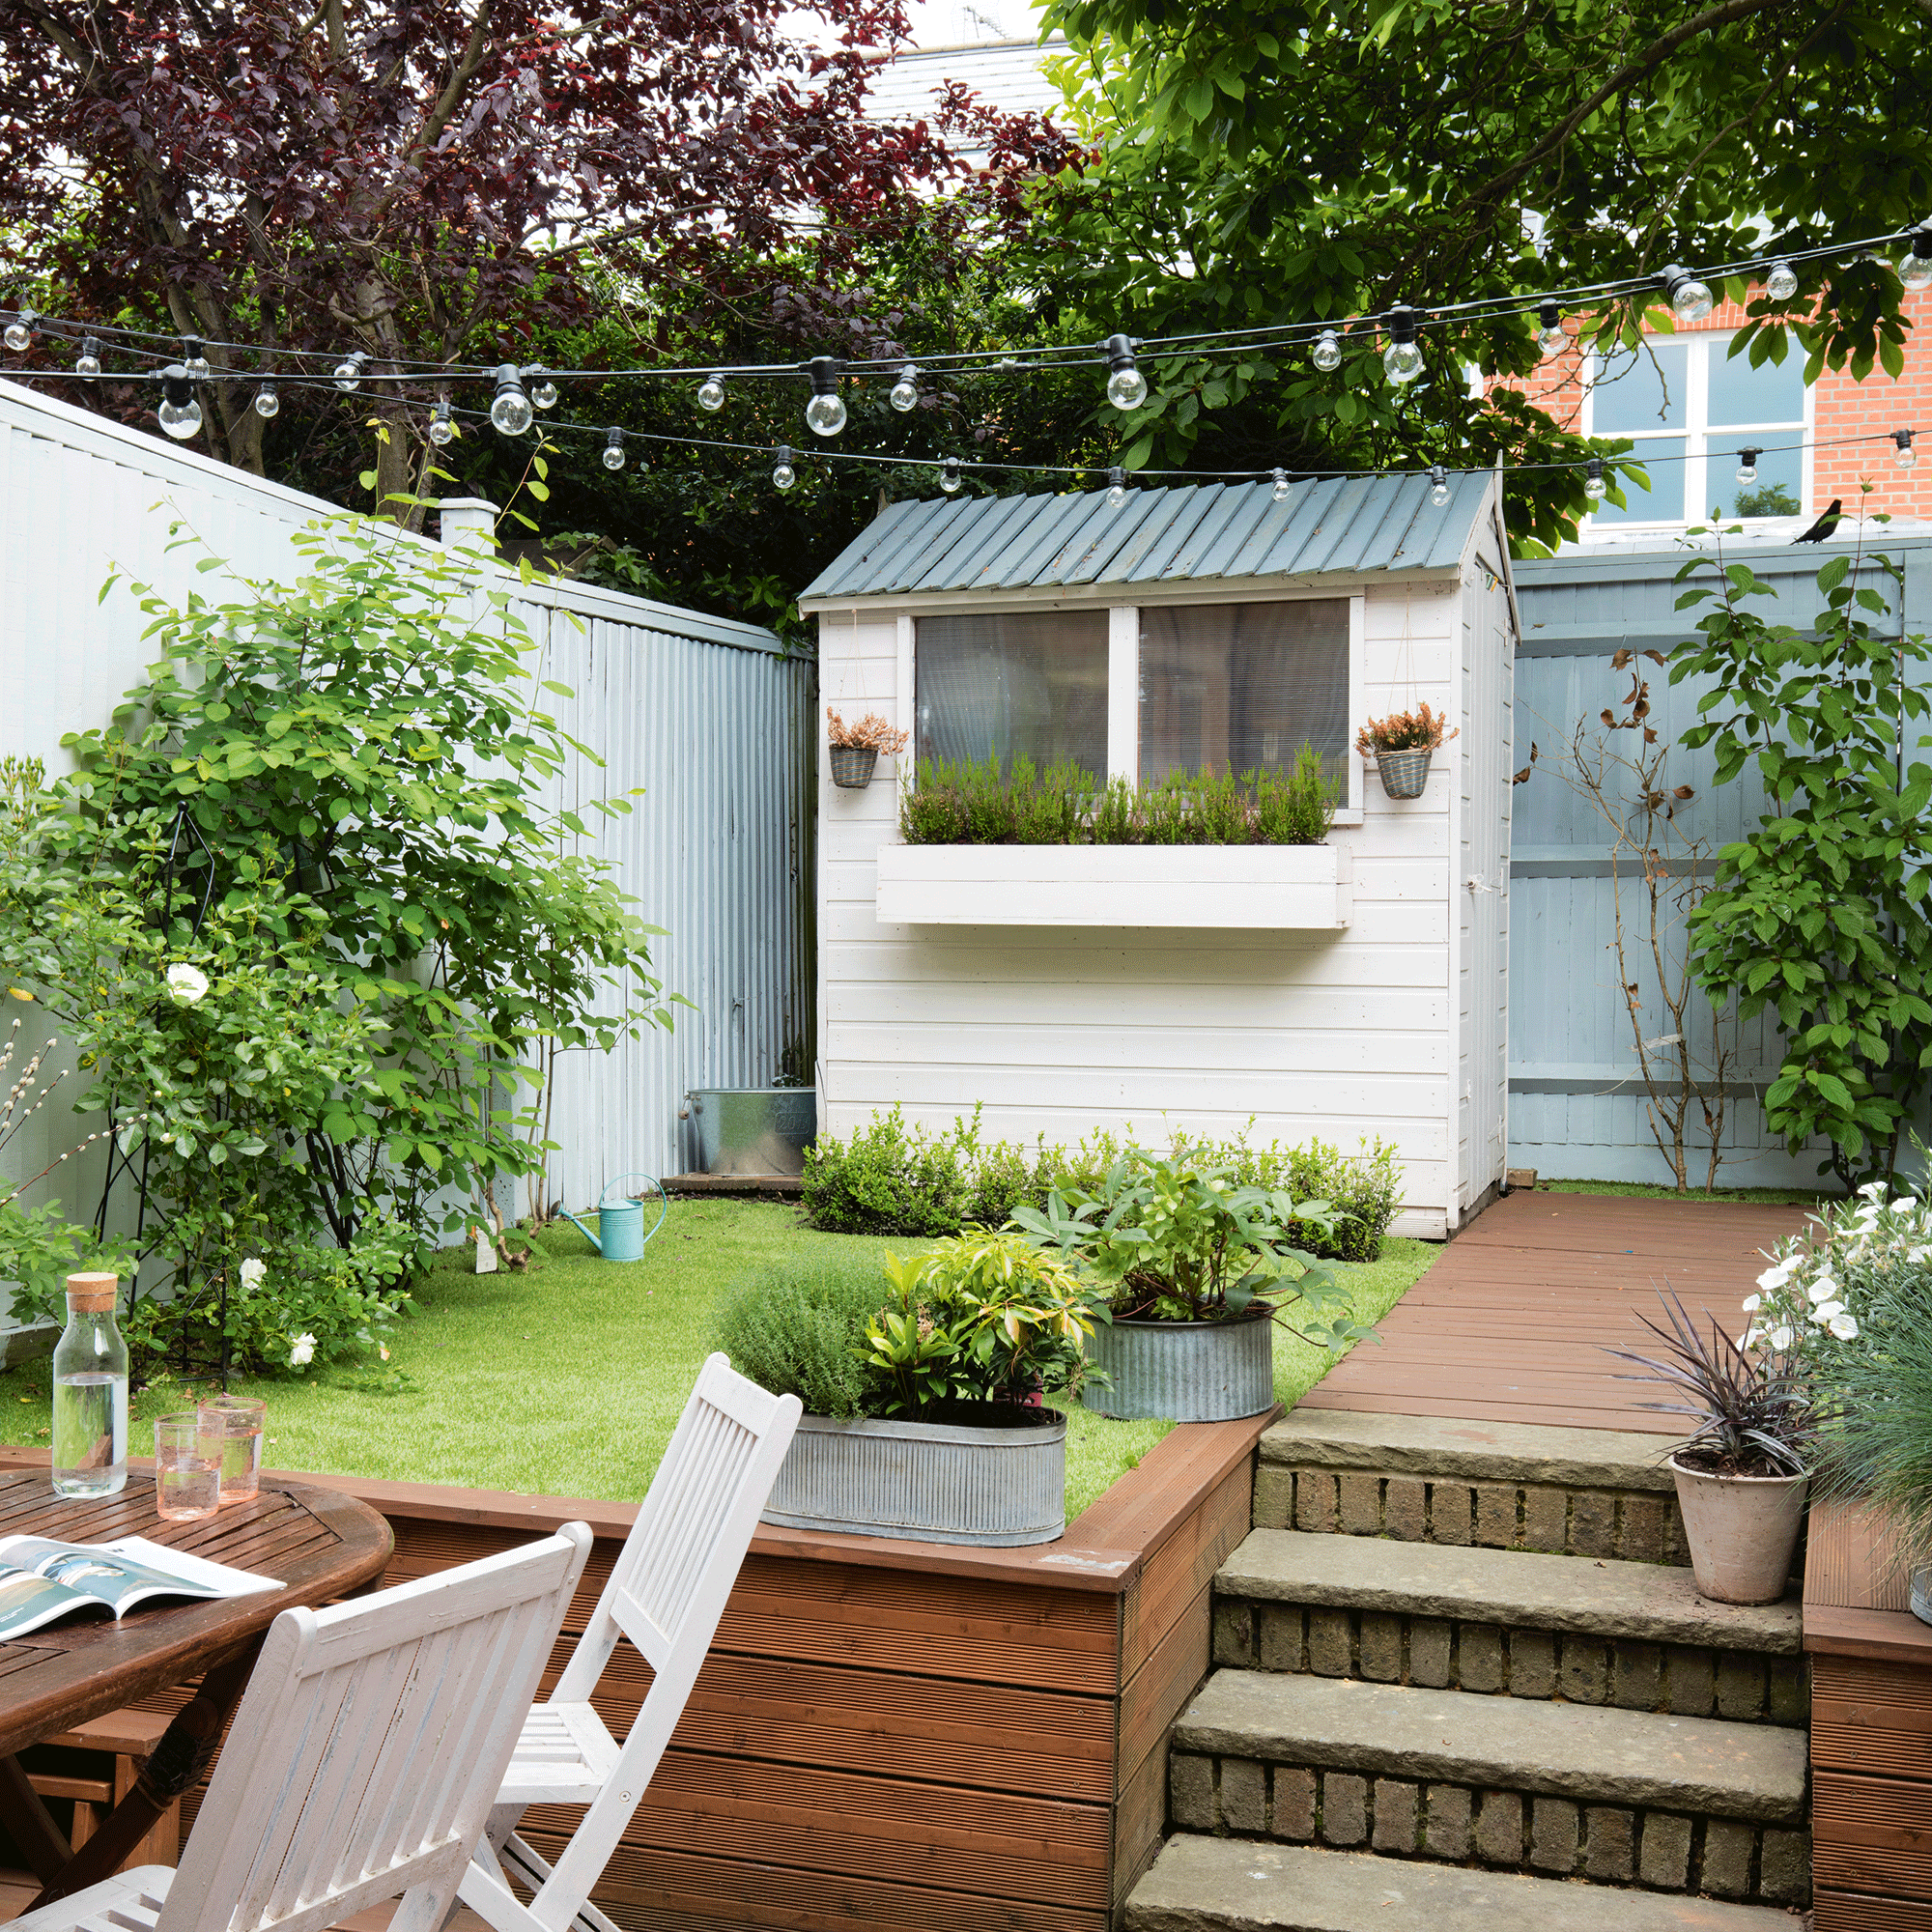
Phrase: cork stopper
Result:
[93,1294]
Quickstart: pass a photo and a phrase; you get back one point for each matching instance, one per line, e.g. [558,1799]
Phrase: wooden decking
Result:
[1510,1324]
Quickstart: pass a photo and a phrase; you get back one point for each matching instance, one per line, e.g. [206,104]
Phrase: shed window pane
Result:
[1642,389]
[1026,685]
[1240,687]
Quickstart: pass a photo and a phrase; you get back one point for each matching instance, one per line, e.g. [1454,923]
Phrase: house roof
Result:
[1206,531]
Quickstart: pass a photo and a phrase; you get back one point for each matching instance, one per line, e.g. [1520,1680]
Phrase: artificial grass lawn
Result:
[567,1381]
[1761,1197]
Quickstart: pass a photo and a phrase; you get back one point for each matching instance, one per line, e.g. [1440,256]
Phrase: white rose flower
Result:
[1844,1325]
[302,1352]
[187,986]
[1751,1301]
[1781,1339]
[252,1271]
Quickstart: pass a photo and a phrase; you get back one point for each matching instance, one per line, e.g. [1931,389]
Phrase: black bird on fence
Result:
[1824,524]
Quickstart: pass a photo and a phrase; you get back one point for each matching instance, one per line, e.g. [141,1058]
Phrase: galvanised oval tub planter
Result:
[928,1482]
[1184,1371]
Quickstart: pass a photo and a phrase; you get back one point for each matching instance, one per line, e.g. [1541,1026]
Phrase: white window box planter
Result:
[1254,888]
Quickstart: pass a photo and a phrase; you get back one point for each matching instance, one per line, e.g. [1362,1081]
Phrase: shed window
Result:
[1243,687]
[1027,684]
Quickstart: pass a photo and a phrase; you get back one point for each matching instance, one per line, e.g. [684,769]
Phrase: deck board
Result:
[1512,1322]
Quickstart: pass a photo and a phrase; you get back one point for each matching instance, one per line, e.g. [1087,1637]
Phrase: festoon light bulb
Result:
[1326,354]
[1907,457]
[1438,486]
[1550,333]
[825,413]
[349,371]
[1401,359]
[950,478]
[1914,267]
[195,359]
[613,447]
[1594,485]
[1117,487]
[905,391]
[783,475]
[511,413]
[442,426]
[1747,466]
[539,388]
[1781,284]
[1126,386]
[711,393]
[88,361]
[268,401]
[180,413]
[19,333]
[1283,488]
[1690,300]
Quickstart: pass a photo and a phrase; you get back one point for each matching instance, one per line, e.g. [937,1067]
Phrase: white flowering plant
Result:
[1858,1270]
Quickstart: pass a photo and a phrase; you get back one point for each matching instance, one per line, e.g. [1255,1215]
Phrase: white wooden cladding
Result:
[1058,1028]
[363,1760]
[1307,887]
[666,1592]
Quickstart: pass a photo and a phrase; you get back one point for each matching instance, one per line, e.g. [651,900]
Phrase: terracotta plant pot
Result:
[852,765]
[1742,1531]
[1404,774]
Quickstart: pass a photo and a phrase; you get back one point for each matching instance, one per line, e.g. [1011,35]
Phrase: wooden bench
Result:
[125,1738]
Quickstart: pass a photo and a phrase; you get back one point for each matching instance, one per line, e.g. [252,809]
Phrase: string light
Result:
[1549,334]
[1594,485]
[1281,487]
[1747,466]
[711,393]
[1781,284]
[180,413]
[442,425]
[542,391]
[194,359]
[905,391]
[1438,486]
[349,371]
[510,412]
[1126,386]
[1401,359]
[1914,269]
[825,413]
[613,447]
[88,361]
[783,475]
[1327,353]
[1907,457]
[267,401]
[1117,487]
[948,476]
[19,333]
[1690,300]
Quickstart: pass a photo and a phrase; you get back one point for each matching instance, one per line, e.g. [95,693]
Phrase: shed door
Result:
[1486,821]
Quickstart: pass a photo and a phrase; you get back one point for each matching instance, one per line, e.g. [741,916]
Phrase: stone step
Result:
[1215,1884]
[1635,1636]
[1619,1797]
[1594,1493]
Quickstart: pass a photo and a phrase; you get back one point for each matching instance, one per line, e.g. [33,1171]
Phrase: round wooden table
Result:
[319,1544]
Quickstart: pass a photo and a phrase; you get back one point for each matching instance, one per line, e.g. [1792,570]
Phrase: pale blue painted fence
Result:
[1577,1107]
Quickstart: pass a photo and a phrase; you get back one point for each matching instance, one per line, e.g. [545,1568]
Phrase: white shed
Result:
[1348,990]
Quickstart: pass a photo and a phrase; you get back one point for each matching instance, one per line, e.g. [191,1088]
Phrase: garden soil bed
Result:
[893,1734]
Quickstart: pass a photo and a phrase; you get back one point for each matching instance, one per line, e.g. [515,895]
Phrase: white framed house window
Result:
[1690,408]
[1144,691]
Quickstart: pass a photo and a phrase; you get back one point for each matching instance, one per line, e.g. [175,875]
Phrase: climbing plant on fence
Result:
[1819,913]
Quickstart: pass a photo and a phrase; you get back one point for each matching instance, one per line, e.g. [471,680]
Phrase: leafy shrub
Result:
[799,1329]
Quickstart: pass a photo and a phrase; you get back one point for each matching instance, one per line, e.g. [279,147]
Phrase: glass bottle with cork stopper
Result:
[90,1456]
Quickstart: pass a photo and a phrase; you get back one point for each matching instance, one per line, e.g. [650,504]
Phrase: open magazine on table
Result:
[42,1579]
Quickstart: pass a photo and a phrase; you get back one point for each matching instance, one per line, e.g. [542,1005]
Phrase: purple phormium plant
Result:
[1749,1409]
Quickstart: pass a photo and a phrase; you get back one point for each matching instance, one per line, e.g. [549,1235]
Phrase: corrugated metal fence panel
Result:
[707,715]
[1578,1106]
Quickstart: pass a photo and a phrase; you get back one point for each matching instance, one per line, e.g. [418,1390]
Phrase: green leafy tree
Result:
[1273,162]
[1819,914]
[371,734]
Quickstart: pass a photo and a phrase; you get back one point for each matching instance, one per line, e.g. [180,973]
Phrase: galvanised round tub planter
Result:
[1184,1371]
[928,1482]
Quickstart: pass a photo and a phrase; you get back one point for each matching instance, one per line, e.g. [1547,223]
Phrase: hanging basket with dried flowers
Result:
[1402,744]
[856,747]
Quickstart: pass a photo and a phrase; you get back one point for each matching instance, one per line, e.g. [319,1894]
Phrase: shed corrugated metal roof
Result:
[1203,530]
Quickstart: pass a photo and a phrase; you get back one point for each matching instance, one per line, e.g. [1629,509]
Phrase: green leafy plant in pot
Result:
[1196,1268]
[1741,1474]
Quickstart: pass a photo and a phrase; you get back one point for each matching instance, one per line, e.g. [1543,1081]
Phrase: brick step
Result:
[1215,1884]
[1618,1797]
[1593,1492]
[1635,1636]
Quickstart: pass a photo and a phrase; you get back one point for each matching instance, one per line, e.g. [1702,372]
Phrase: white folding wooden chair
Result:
[363,1760]
[666,1594]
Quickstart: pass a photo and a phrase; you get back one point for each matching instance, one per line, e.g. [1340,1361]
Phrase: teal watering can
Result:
[620,1224]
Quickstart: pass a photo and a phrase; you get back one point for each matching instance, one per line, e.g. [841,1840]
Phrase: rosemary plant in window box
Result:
[923,1383]
[1197,1268]
[1402,745]
[856,747]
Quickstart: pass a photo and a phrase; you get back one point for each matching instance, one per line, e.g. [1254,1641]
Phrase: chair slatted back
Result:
[369,1746]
